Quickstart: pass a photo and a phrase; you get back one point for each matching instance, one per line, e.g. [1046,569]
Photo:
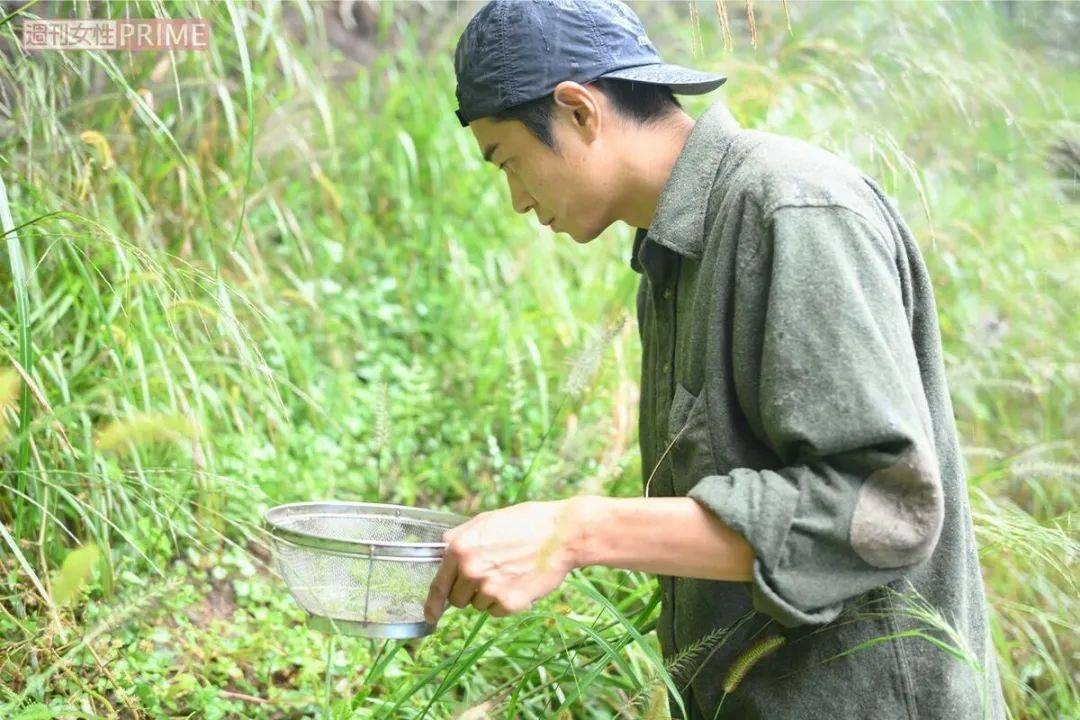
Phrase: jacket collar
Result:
[679,221]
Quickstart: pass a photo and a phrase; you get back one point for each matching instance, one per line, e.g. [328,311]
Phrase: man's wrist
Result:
[586,529]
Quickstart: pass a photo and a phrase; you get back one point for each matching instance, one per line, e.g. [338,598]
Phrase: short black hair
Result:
[642,102]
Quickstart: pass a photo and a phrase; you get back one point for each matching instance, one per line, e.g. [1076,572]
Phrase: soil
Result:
[219,604]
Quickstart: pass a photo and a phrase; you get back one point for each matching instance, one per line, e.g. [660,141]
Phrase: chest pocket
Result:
[689,440]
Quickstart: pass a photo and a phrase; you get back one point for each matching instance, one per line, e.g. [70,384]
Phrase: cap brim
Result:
[682,81]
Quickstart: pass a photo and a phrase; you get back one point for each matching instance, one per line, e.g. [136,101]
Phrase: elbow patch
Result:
[899,511]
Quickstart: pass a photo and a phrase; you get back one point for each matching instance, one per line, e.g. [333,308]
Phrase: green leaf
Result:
[76,570]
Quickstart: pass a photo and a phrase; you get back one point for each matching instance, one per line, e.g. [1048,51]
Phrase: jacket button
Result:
[667,294]
[667,368]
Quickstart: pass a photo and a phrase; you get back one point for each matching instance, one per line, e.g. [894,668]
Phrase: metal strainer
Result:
[360,568]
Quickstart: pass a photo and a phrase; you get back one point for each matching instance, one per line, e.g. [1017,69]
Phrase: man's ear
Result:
[580,107]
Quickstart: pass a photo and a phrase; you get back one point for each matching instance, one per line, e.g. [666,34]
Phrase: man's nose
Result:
[520,199]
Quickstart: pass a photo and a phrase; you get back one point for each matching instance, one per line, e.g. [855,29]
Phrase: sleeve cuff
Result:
[767,600]
[760,505]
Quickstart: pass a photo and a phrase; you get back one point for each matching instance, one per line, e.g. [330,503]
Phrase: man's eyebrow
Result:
[489,151]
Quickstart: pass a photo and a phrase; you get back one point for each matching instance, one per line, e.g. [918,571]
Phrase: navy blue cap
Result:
[513,51]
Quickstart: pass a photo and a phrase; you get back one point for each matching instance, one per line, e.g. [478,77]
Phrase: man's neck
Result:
[650,154]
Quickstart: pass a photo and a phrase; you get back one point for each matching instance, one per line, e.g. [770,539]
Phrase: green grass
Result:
[240,279]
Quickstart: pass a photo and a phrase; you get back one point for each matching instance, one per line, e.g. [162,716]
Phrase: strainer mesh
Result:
[359,588]
[367,528]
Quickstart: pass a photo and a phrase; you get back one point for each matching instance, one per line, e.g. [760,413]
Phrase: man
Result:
[796,431]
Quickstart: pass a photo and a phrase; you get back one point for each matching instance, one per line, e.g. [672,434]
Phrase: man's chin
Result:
[580,237]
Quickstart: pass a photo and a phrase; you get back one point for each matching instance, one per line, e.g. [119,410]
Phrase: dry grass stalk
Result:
[750,18]
[695,30]
[725,24]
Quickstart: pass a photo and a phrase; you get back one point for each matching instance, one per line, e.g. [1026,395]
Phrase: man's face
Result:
[569,190]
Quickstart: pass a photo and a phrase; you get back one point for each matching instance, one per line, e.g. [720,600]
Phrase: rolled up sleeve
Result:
[827,376]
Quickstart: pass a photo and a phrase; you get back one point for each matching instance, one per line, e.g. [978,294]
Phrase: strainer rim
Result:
[274,518]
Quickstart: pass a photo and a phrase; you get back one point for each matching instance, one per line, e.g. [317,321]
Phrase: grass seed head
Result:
[588,362]
[750,657]
[145,428]
[9,393]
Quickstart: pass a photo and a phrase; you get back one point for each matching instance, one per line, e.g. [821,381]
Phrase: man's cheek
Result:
[564,208]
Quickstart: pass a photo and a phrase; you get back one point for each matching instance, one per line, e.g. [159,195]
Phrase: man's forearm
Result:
[664,536]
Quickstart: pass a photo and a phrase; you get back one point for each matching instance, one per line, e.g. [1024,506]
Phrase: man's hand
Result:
[504,560]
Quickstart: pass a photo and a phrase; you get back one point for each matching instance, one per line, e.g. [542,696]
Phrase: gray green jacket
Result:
[792,383]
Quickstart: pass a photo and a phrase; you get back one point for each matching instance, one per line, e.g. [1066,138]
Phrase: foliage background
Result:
[279,271]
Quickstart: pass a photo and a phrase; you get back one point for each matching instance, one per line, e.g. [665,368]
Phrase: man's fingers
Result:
[508,606]
[482,601]
[462,592]
[498,610]
[440,589]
